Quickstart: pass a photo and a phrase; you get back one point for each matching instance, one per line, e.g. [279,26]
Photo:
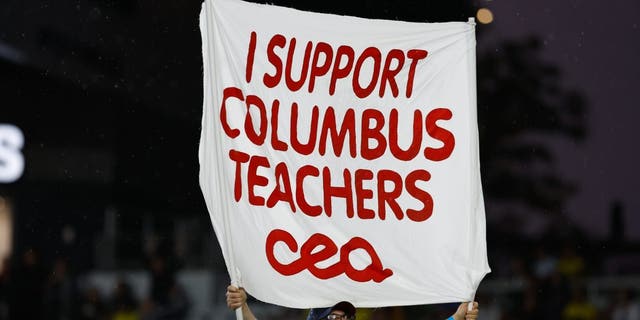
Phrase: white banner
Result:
[339,156]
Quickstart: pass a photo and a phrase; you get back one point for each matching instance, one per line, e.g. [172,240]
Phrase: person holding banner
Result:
[237,298]
[341,155]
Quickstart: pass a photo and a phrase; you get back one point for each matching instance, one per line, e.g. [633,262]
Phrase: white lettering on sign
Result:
[11,158]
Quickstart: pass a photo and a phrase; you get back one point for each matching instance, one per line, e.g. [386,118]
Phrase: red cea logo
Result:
[319,248]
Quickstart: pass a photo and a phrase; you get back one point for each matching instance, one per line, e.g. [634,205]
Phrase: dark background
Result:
[108,95]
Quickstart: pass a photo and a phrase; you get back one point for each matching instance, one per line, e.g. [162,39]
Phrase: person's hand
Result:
[463,314]
[236,297]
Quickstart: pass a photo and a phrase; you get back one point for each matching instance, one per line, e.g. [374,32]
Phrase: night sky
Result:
[595,43]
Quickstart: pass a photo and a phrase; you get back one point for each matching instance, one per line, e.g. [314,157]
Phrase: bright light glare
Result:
[484,15]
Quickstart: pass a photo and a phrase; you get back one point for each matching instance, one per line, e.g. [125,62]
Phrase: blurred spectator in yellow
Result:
[125,306]
[579,308]
[570,264]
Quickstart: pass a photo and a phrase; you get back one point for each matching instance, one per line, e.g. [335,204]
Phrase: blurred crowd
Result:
[559,284]
[561,274]
[539,283]
[30,289]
